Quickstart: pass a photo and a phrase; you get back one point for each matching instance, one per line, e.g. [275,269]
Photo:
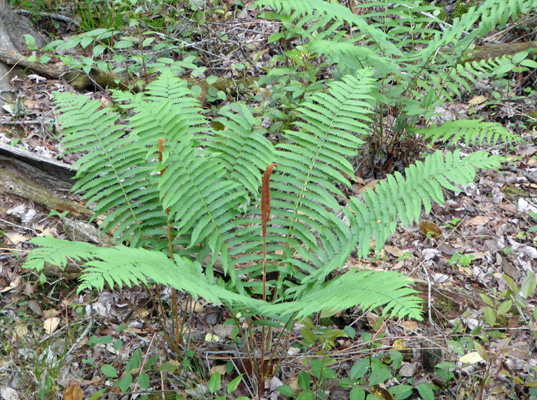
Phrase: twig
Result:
[29,122]
[431,322]
[79,340]
[59,17]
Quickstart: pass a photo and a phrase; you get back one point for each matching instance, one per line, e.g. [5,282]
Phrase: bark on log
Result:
[44,168]
[12,30]
[11,57]
[27,182]
[78,79]
[497,50]
[27,176]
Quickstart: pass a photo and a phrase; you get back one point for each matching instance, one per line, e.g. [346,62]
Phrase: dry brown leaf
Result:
[371,318]
[369,185]
[40,230]
[430,229]
[16,238]
[410,325]
[198,307]
[105,102]
[20,332]
[480,220]
[12,285]
[134,330]
[51,324]
[478,255]
[477,100]
[294,385]
[50,313]
[35,307]
[466,271]
[394,251]
[28,103]
[95,380]
[73,392]
[221,369]
[142,312]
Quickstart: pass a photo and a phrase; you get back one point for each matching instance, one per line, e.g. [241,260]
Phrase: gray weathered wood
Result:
[54,168]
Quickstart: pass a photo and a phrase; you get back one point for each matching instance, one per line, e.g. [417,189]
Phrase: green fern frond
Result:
[195,188]
[350,57]
[113,173]
[486,16]
[303,185]
[498,12]
[478,70]
[168,88]
[242,148]
[472,131]
[124,266]
[408,25]
[367,288]
[404,197]
[319,10]
[195,193]
[57,252]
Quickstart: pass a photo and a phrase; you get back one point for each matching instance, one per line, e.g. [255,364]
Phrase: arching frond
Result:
[471,131]
[405,197]
[113,173]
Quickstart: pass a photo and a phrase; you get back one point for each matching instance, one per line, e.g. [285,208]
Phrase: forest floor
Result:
[462,256]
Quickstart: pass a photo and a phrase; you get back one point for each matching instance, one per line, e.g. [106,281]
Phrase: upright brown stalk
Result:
[174,292]
[265,217]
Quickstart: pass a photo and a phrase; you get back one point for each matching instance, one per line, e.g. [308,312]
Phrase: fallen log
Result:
[30,183]
[77,79]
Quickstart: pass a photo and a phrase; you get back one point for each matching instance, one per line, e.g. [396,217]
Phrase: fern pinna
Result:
[209,181]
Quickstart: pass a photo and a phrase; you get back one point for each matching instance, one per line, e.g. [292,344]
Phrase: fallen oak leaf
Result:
[73,392]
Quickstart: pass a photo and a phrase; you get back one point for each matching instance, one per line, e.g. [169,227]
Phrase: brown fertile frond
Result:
[265,197]
[160,150]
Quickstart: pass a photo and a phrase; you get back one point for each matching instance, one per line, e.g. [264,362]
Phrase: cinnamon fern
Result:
[208,192]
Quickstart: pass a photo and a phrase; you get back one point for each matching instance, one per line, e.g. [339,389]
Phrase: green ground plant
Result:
[184,201]
[201,203]
[418,59]
[37,357]
[107,14]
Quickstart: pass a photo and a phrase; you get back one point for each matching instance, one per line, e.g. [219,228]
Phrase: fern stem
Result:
[287,338]
[175,316]
[144,68]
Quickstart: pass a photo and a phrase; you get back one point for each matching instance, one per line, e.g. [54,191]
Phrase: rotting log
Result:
[78,79]
[44,182]
[494,50]
[30,183]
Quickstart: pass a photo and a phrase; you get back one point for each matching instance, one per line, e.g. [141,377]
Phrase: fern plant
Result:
[417,56]
[206,188]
